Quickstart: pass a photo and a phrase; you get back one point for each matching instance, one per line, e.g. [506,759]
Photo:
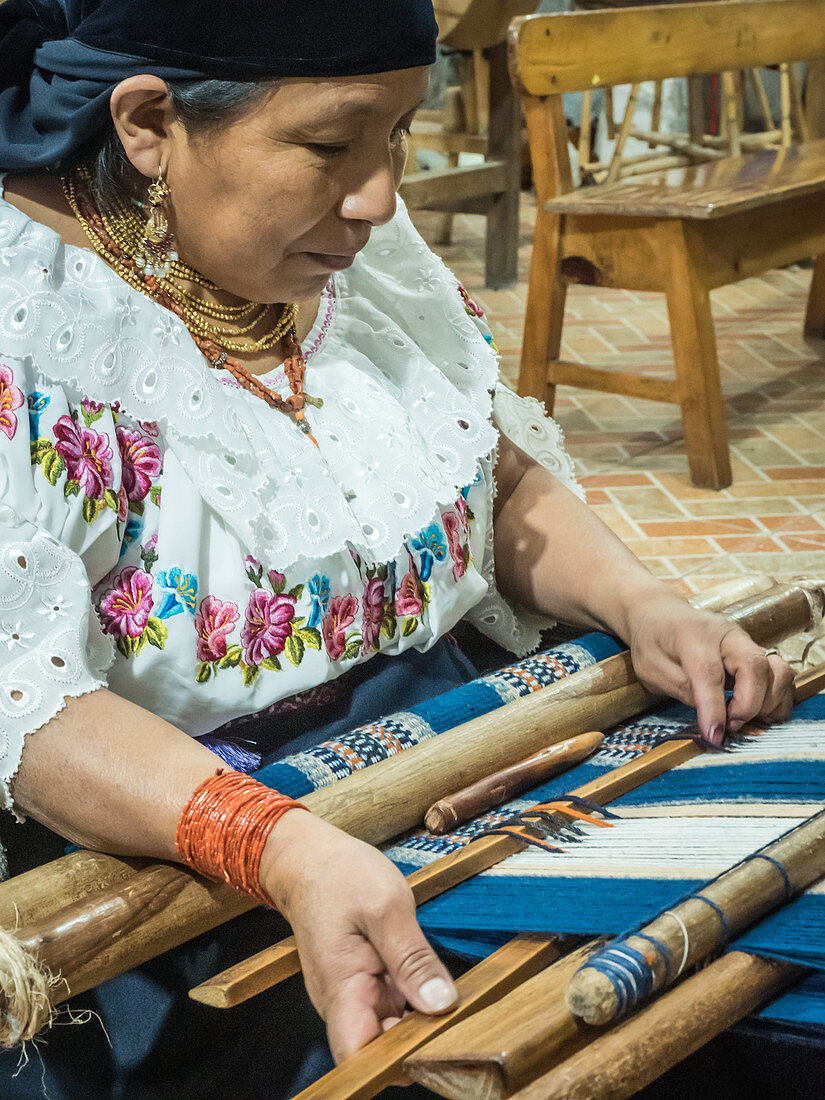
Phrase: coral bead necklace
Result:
[115,239]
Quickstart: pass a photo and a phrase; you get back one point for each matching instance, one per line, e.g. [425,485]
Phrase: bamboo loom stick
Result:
[280,961]
[634,1053]
[377,1065]
[506,1045]
[691,930]
[375,804]
[454,809]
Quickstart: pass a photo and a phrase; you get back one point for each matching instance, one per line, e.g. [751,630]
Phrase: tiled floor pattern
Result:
[630,453]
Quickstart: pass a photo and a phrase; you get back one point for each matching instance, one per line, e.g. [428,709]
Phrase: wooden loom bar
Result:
[377,803]
[691,930]
[630,1056]
[378,1064]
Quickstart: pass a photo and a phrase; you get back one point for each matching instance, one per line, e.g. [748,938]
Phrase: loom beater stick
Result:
[388,798]
[376,1065]
[280,961]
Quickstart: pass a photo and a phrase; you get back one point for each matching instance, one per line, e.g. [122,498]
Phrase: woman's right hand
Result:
[362,953]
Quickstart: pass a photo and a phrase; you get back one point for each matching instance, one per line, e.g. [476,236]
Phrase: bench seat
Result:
[704,191]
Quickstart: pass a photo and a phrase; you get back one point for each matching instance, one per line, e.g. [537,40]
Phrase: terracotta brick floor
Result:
[630,453]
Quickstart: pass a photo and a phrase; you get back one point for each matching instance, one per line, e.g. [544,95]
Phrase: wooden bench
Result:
[682,232]
[492,188]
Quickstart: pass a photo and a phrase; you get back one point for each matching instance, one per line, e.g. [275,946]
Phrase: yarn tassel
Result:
[232,753]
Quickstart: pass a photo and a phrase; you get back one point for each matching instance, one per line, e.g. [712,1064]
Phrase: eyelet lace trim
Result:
[51,643]
[405,417]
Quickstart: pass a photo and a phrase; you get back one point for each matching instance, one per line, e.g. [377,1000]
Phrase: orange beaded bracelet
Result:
[224,826]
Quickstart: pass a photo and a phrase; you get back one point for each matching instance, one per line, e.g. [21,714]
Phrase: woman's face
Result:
[269,206]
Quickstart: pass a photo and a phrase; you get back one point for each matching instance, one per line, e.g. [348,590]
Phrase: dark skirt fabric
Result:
[148,1040]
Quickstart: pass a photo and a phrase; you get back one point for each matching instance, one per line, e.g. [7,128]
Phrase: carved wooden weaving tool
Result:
[446,814]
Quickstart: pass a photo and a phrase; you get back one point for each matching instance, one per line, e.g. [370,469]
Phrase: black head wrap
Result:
[60,59]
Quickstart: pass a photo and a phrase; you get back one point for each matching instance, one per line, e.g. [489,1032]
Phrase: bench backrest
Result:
[477,24]
[550,54]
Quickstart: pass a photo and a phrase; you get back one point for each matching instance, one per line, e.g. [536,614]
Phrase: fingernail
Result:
[716,734]
[735,725]
[436,994]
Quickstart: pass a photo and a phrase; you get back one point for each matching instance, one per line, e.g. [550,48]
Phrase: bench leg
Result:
[697,368]
[504,144]
[544,317]
[815,312]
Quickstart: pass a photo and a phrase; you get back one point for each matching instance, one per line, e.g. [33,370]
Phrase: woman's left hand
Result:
[687,654]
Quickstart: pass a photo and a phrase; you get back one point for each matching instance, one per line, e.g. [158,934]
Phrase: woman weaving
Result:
[247,447]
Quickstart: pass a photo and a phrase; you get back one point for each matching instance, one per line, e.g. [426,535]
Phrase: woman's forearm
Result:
[555,555]
[109,775]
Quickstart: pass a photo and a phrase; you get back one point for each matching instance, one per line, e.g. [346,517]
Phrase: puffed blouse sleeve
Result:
[524,421]
[59,533]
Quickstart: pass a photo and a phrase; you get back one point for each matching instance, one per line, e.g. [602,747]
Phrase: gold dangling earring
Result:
[154,256]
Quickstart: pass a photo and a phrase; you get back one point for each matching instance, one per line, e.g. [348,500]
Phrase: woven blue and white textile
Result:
[670,835]
[303,772]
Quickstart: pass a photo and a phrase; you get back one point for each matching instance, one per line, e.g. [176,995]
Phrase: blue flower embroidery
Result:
[430,543]
[133,532]
[181,592]
[37,402]
[318,588]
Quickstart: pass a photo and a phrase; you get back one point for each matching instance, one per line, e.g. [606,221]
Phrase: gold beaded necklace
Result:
[116,238]
[115,235]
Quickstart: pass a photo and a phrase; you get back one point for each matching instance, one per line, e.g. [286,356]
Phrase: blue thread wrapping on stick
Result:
[663,951]
[629,973]
[723,920]
[789,891]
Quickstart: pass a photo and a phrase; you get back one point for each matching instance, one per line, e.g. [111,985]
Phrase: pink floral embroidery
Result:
[87,454]
[267,626]
[451,527]
[122,505]
[341,614]
[214,621]
[373,613]
[461,508]
[141,461]
[408,601]
[11,398]
[91,408]
[125,608]
[150,427]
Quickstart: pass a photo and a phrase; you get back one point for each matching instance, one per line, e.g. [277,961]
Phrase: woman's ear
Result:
[144,121]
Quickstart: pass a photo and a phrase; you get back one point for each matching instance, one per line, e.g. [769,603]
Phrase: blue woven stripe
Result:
[300,774]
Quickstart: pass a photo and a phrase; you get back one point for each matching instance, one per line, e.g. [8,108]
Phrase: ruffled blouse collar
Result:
[404,373]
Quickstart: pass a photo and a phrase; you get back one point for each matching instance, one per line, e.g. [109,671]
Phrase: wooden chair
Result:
[683,232]
[492,188]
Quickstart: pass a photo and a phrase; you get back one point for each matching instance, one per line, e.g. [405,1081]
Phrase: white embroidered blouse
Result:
[166,533]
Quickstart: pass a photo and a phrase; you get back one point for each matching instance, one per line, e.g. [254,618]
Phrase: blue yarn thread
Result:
[629,973]
[663,951]
[781,869]
[723,920]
